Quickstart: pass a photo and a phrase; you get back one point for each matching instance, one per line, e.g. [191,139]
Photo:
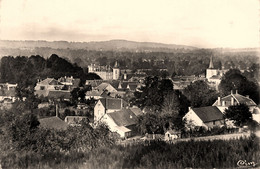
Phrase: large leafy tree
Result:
[239,113]
[199,94]
[234,80]
[151,95]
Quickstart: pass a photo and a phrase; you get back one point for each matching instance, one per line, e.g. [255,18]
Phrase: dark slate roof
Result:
[208,114]
[112,103]
[53,123]
[124,117]
[59,94]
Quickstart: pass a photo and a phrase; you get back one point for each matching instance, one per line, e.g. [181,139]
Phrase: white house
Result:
[172,135]
[114,113]
[45,86]
[107,105]
[207,117]
[234,99]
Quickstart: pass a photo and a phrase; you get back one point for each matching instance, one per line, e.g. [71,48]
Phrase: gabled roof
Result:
[50,81]
[124,117]
[137,111]
[122,128]
[240,99]
[93,83]
[112,103]
[102,86]
[53,123]
[208,114]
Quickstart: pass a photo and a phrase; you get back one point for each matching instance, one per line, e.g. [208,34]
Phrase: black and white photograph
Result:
[129,84]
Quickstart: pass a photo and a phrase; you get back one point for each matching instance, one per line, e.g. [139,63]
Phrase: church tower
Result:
[211,71]
[116,71]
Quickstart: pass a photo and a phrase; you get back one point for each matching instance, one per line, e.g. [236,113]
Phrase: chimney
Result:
[223,103]
[232,101]
[247,96]
[236,92]
[219,102]
[189,108]
[57,110]
[231,92]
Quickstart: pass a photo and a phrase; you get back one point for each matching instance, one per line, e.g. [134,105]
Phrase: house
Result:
[172,135]
[106,105]
[75,120]
[234,99]
[106,87]
[121,121]
[43,87]
[207,117]
[105,72]
[117,116]
[95,94]
[53,122]
[70,82]
[8,92]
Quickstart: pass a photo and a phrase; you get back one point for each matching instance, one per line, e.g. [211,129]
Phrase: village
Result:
[109,101]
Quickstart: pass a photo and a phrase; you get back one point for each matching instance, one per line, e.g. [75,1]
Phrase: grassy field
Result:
[195,154]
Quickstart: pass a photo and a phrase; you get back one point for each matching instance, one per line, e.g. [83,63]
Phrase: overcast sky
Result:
[201,23]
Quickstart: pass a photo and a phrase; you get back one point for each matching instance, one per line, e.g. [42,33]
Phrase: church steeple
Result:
[211,63]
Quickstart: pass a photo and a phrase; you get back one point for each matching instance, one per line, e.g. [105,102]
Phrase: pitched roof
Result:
[53,123]
[122,128]
[124,117]
[93,83]
[239,98]
[208,114]
[137,111]
[50,81]
[112,103]
[102,86]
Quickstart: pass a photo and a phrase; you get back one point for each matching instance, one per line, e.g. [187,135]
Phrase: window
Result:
[42,87]
[214,122]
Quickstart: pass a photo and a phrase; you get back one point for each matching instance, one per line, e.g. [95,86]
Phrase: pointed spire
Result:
[116,65]
[211,63]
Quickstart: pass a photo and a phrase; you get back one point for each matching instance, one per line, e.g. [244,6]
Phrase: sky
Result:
[200,23]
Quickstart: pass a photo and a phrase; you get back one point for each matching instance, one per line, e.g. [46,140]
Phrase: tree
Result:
[239,113]
[199,94]
[234,80]
[151,95]
[171,105]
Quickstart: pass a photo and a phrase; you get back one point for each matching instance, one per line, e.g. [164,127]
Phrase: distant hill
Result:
[116,45]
